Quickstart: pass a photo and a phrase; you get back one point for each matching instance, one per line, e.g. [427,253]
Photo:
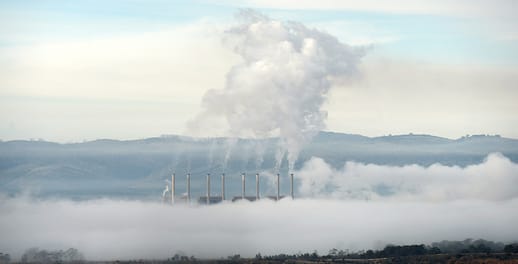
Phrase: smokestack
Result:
[188,188]
[208,188]
[243,186]
[257,186]
[291,186]
[173,192]
[223,187]
[278,186]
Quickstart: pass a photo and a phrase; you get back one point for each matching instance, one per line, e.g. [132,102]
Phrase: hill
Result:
[138,168]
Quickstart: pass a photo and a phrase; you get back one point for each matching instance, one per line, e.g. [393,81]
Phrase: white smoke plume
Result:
[230,144]
[494,179]
[281,83]
[210,158]
[166,193]
[259,149]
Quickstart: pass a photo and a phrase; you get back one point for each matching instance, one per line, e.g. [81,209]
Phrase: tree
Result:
[397,251]
[333,252]
[511,248]
[71,255]
[35,255]
[369,254]
[434,250]
[4,258]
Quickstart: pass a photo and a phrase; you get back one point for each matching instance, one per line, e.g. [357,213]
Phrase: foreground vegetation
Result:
[466,251]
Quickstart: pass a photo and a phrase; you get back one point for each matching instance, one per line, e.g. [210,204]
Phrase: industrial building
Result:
[210,199]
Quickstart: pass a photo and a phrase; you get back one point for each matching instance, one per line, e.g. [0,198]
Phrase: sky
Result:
[74,71]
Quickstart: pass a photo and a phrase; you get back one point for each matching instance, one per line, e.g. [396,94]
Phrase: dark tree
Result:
[4,258]
[35,255]
[434,250]
[511,248]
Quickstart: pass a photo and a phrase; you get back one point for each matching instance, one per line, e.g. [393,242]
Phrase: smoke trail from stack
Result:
[259,149]
[229,146]
[281,83]
[210,158]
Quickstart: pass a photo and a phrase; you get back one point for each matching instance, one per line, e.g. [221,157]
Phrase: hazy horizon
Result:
[244,138]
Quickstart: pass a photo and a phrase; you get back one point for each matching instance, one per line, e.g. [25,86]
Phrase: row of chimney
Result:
[243,190]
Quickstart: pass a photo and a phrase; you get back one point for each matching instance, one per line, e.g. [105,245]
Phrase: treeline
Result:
[4,258]
[35,255]
[469,246]
[445,247]
[393,251]
[398,251]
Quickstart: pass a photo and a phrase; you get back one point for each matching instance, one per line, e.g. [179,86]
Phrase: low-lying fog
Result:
[109,229]
[341,209]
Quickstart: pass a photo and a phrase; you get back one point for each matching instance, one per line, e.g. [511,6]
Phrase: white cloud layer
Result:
[425,205]
[108,229]
[495,179]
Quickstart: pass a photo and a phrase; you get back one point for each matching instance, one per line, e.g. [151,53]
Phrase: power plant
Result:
[213,199]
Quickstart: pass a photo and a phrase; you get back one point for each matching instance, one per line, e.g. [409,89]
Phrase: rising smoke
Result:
[281,83]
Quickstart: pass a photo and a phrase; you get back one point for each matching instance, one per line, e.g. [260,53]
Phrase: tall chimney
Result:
[188,188]
[243,186]
[291,186]
[223,187]
[257,186]
[278,187]
[208,188]
[173,192]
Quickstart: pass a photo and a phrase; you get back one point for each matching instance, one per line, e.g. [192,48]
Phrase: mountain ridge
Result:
[139,167]
[327,133]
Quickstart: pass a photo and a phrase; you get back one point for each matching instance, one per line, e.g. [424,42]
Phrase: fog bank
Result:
[494,179]
[110,229]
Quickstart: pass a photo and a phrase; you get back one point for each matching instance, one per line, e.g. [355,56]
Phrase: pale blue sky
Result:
[448,38]
[459,41]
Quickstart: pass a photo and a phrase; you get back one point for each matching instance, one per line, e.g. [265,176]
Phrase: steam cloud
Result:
[421,205]
[494,179]
[279,87]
